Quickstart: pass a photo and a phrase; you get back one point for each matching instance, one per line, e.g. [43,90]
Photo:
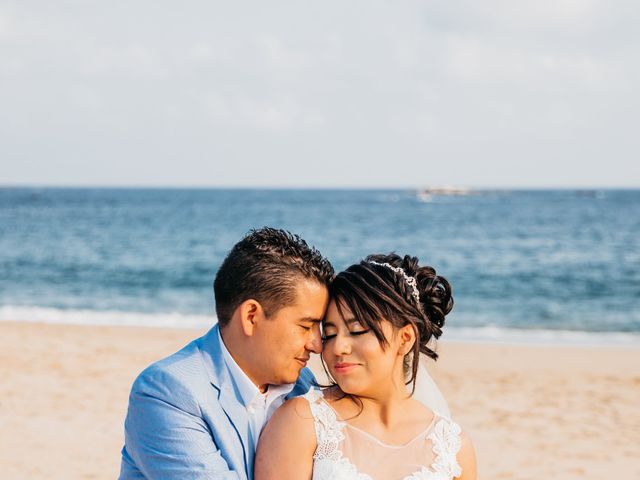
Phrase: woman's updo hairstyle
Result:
[373,293]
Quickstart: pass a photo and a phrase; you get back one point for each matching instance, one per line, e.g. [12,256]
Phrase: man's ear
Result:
[407,339]
[251,313]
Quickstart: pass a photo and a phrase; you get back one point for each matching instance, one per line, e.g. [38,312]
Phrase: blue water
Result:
[551,260]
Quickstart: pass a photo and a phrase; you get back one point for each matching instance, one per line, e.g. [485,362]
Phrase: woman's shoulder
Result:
[287,442]
[292,423]
[455,448]
[296,409]
[319,405]
[466,456]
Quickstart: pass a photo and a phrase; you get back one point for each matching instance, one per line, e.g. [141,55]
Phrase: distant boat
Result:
[589,193]
[426,194]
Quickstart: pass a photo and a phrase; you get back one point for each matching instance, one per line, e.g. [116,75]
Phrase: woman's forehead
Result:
[337,312]
[341,314]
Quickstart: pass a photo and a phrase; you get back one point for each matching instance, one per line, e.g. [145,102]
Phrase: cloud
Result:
[455,92]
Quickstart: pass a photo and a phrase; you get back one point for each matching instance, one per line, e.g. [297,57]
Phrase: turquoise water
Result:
[524,260]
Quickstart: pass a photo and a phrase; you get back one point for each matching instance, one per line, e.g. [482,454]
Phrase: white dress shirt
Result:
[260,406]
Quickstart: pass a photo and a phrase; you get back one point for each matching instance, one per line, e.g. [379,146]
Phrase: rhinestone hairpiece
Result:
[411,281]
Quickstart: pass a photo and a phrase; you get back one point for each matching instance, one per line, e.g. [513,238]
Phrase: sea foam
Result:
[484,334]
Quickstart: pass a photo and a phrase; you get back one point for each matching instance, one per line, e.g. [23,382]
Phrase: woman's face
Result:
[356,360]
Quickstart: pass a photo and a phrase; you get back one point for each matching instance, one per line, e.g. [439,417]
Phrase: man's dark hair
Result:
[266,265]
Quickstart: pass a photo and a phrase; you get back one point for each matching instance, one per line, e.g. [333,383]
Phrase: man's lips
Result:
[344,367]
[303,361]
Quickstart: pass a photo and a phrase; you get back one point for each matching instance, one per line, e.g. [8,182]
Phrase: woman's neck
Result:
[389,409]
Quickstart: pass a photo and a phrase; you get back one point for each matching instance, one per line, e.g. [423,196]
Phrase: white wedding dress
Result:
[345,452]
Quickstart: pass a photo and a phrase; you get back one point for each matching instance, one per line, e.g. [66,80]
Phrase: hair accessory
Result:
[411,281]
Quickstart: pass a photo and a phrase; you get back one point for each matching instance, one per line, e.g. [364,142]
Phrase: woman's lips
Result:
[344,367]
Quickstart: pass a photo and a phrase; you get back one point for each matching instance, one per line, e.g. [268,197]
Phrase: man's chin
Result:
[292,377]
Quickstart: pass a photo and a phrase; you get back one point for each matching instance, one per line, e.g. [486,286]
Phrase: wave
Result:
[534,336]
[482,334]
[97,317]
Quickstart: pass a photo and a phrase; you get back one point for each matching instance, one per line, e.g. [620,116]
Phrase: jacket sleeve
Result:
[306,380]
[165,435]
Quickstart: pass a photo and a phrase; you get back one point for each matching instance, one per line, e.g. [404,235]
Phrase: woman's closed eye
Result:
[329,336]
[360,332]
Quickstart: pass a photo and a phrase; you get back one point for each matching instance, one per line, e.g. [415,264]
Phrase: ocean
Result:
[534,266]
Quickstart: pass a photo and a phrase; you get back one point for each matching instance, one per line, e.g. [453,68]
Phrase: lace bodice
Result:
[344,452]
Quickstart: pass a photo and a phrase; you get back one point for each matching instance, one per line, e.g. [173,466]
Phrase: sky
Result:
[320,94]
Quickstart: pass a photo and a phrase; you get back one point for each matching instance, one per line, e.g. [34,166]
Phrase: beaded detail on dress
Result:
[442,441]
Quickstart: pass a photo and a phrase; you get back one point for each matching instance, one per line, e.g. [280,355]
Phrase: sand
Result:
[533,412]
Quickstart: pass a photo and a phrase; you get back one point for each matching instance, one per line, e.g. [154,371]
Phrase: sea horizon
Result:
[302,188]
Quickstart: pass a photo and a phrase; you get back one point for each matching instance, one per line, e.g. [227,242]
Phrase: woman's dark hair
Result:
[267,265]
[374,293]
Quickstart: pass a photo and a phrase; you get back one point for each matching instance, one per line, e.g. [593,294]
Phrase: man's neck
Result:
[236,346]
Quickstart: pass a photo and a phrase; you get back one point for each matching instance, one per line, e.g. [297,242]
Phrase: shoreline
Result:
[64,389]
[490,335]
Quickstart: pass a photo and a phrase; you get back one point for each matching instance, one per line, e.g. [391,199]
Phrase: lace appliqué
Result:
[445,436]
[329,464]
[328,428]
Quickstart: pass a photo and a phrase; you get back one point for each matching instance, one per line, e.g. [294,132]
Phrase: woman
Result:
[383,313]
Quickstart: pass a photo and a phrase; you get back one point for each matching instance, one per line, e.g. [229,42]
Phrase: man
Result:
[198,413]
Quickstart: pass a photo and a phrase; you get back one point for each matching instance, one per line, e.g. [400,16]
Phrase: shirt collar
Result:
[249,392]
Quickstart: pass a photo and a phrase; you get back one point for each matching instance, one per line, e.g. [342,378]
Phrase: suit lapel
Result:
[238,417]
[229,399]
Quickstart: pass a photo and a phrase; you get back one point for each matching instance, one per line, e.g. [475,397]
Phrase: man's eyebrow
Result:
[311,319]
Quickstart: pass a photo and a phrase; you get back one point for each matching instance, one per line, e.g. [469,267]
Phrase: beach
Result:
[533,412]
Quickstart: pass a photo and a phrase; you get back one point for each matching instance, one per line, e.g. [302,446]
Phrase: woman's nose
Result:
[342,345]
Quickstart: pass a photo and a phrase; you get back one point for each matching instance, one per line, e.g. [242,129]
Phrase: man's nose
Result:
[315,340]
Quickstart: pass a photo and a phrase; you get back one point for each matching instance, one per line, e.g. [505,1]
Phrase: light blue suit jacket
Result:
[186,419]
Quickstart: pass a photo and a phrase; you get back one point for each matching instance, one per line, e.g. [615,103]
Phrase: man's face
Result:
[285,340]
